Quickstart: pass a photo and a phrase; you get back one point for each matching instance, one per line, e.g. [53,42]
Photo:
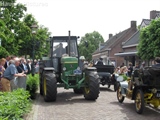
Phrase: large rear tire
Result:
[49,87]
[91,91]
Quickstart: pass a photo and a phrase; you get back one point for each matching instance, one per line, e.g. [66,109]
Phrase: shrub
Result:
[32,84]
[13,105]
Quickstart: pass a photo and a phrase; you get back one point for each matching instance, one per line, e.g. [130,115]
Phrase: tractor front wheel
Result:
[49,87]
[91,91]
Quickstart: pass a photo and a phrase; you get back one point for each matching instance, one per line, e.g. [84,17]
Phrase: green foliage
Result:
[27,40]
[11,15]
[13,105]
[15,31]
[149,45]
[3,52]
[32,84]
[93,39]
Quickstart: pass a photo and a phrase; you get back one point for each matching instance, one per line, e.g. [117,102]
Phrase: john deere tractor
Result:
[62,69]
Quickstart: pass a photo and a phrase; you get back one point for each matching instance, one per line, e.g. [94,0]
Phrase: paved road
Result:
[70,106]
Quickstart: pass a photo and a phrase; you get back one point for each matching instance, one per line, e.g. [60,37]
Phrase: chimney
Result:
[153,14]
[134,24]
[110,35]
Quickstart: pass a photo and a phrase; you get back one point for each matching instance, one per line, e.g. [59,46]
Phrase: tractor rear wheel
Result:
[91,91]
[78,91]
[49,87]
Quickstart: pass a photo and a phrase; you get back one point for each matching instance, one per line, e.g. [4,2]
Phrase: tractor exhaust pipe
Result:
[69,40]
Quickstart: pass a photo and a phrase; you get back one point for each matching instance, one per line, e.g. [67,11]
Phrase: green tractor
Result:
[62,69]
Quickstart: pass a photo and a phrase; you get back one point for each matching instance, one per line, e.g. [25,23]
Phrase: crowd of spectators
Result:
[13,72]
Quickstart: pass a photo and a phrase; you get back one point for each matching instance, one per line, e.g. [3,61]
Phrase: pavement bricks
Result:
[70,106]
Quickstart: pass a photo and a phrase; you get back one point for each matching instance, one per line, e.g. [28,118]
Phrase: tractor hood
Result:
[69,60]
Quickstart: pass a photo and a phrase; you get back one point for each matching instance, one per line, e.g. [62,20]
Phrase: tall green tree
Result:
[3,37]
[27,40]
[149,45]
[93,40]
[15,31]
[10,14]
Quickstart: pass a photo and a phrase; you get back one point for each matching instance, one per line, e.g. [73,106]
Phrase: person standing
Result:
[136,67]
[81,62]
[142,65]
[9,74]
[157,60]
[7,62]
[122,65]
[130,69]
[100,61]
[2,69]
[28,66]
[23,65]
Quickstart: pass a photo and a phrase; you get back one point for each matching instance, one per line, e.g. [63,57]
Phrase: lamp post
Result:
[34,28]
[0,41]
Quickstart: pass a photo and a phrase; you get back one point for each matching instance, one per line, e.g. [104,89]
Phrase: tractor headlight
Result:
[78,68]
[154,90]
[64,68]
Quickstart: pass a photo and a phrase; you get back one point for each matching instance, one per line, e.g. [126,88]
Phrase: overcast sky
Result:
[85,16]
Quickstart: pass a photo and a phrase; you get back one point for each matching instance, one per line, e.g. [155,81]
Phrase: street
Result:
[70,106]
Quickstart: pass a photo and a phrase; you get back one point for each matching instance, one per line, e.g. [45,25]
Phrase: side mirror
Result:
[86,43]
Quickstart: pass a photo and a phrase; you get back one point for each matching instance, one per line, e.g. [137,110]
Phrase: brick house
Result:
[130,46]
[114,45]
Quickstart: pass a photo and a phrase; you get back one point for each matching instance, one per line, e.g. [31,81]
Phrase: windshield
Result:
[61,48]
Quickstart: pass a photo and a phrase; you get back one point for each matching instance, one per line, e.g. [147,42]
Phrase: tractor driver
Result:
[100,61]
[60,50]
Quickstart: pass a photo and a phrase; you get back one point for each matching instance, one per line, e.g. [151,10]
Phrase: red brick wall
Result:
[117,47]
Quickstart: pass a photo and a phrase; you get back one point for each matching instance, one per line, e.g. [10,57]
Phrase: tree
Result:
[10,16]
[93,40]
[16,33]
[27,40]
[149,45]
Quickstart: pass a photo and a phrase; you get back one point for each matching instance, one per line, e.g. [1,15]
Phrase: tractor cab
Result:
[63,47]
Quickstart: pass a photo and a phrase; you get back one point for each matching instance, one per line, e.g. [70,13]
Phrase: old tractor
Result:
[143,88]
[62,69]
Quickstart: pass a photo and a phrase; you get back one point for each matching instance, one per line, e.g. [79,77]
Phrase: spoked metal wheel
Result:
[120,97]
[139,101]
